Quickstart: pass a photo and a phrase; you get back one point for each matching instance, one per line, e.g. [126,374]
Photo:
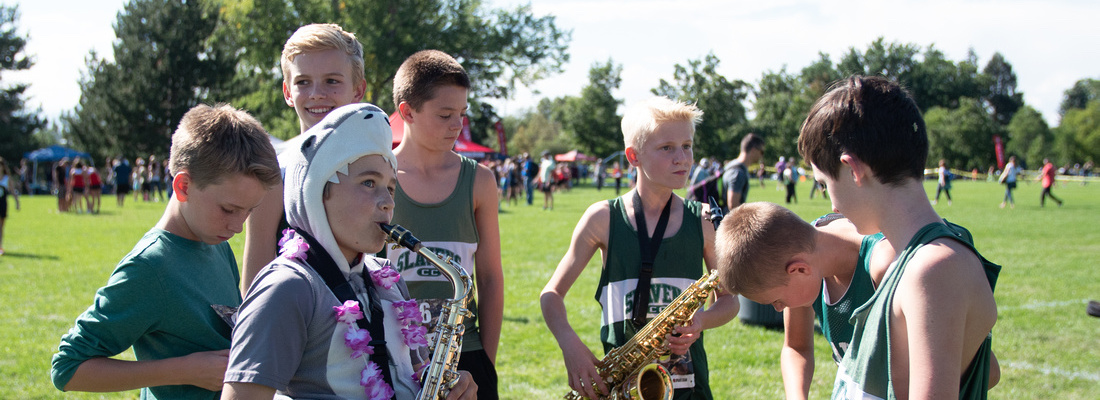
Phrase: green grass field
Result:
[1047,346]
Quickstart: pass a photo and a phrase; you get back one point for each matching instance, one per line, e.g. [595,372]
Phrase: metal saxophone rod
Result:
[442,371]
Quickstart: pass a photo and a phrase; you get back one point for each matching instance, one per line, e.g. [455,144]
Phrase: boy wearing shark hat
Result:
[339,320]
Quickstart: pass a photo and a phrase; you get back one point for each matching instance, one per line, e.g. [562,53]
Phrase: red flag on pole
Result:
[500,138]
[999,149]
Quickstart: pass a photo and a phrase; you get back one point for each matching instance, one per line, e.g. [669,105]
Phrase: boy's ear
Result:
[860,171]
[798,267]
[286,95]
[405,110]
[631,156]
[181,186]
[360,90]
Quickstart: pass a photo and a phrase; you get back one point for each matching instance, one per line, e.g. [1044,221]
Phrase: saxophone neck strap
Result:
[648,247]
[319,260]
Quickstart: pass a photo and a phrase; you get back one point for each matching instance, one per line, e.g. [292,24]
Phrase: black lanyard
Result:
[319,259]
[648,247]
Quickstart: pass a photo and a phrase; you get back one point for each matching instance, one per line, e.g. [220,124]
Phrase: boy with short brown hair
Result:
[159,298]
[451,202]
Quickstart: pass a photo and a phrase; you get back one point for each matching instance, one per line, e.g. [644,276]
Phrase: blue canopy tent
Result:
[49,154]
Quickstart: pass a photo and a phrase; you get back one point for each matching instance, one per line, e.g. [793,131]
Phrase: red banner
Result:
[466,129]
[501,139]
[999,148]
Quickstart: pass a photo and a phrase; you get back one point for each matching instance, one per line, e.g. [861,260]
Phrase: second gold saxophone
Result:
[630,370]
[443,370]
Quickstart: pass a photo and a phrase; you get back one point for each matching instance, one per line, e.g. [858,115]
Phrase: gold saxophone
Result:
[442,372]
[630,370]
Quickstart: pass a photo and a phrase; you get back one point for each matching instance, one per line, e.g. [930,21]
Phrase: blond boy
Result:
[658,134]
[322,70]
[159,297]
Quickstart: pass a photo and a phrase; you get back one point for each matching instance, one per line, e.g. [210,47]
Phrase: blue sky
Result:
[1050,44]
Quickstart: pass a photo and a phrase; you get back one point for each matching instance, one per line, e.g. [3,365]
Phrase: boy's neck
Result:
[172,221]
[413,156]
[903,211]
[836,253]
[653,196]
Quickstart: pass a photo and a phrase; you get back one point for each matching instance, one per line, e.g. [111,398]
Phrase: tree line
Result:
[965,106]
[170,55]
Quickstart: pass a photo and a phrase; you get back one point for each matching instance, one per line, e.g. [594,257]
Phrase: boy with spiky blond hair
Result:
[322,70]
[658,135]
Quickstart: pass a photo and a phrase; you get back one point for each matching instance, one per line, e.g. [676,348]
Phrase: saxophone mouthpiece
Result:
[398,234]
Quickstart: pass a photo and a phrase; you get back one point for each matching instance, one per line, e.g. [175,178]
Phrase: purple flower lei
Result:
[358,340]
[292,245]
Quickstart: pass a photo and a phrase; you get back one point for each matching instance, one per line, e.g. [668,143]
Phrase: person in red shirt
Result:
[1047,174]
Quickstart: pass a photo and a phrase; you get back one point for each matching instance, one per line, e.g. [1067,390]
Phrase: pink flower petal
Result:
[386,276]
[349,312]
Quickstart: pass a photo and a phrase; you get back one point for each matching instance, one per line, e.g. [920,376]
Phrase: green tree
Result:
[892,60]
[593,120]
[163,65]
[1080,131]
[722,102]
[962,136]
[782,102]
[939,82]
[1003,96]
[534,133]
[1029,137]
[817,76]
[500,48]
[1079,96]
[17,124]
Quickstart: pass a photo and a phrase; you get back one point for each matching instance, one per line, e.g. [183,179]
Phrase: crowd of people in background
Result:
[79,184]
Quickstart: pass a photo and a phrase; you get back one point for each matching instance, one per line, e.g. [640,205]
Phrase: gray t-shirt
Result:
[287,336]
[736,178]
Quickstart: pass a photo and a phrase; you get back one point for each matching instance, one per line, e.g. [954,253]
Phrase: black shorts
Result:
[3,206]
[78,190]
[477,363]
[1011,185]
[122,188]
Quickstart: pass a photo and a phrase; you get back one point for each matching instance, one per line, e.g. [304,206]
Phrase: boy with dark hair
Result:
[451,202]
[322,69]
[159,298]
[326,319]
[824,268]
[658,136]
[925,333]
[736,176]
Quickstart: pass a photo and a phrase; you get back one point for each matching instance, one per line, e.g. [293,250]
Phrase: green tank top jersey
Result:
[834,315]
[448,229]
[864,373]
[678,264]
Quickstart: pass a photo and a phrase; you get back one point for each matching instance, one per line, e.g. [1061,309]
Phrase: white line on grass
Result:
[1091,376]
[1035,306]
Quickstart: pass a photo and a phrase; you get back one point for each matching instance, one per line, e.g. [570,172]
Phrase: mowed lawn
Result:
[1047,345]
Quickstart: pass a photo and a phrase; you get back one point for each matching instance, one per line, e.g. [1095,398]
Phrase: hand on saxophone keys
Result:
[683,337]
[463,388]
